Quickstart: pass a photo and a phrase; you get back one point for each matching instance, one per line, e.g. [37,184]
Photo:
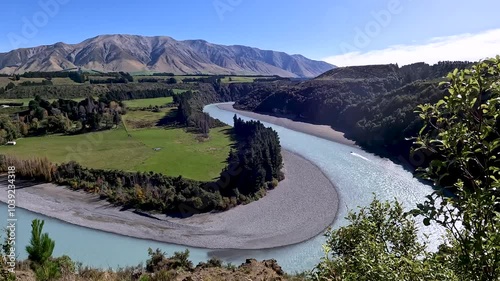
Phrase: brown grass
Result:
[37,168]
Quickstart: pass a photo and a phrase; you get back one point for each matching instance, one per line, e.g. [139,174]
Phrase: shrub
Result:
[380,243]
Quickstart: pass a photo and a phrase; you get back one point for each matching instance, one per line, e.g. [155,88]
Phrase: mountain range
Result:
[133,53]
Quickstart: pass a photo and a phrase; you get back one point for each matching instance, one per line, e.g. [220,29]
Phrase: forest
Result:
[372,105]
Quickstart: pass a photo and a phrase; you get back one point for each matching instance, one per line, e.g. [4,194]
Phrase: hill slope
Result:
[373,105]
[134,53]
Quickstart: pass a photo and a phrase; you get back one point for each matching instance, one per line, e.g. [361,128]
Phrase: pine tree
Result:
[41,246]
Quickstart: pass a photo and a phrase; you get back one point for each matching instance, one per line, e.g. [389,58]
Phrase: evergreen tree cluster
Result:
[138,93]
[170,80]
[189,113]
[109,81]
[207,79]
[163,74]
[258,157]
[117,78]
[77,77]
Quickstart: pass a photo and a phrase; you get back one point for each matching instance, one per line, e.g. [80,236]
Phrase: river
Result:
[358,175]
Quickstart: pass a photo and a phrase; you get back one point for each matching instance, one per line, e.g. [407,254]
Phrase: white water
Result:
[356,174]
[362,157]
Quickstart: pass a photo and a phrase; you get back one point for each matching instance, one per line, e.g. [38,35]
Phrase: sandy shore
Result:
[321,131]
[300,208]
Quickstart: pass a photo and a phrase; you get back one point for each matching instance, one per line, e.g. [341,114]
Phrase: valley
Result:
[219,154]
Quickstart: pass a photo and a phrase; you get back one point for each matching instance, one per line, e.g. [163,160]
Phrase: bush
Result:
[47,272]
[380,243]
[158,261]
[66,265]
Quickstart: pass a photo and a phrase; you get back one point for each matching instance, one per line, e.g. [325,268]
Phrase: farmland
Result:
[149,102]
[136,145]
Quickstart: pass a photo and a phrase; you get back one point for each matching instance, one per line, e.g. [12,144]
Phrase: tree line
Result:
[170,80]
[123,94]
[252,169]
[76,76]
[257,158]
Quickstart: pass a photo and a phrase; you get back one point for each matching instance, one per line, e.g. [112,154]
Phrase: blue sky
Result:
[339,31]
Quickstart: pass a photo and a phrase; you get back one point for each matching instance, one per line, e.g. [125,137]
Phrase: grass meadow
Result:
[148,102]
[137,145]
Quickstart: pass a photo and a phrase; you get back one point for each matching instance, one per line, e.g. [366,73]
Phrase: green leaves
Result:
[40,253]
[380,243]
[41,246]
[462,132]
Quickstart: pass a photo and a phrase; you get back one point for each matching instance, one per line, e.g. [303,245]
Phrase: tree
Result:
[40,253]
[41,246]
[9,130]
[380,243]
[461,140]
[10,86]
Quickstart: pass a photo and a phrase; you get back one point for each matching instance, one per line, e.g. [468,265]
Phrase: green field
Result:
[180,152]
[111,149]
[149,102]
[144,119]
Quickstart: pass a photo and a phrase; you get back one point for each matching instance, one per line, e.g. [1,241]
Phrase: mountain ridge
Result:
[135,53]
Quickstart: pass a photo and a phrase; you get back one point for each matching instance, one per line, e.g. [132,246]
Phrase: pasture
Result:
[148,102]
[143,146]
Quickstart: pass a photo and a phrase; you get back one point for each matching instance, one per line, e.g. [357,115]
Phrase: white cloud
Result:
[471,47]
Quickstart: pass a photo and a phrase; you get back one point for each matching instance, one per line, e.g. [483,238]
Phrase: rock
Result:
[273,264]
[250,261]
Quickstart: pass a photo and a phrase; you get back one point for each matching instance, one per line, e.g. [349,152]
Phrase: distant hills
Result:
[132,53]
[382,71]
